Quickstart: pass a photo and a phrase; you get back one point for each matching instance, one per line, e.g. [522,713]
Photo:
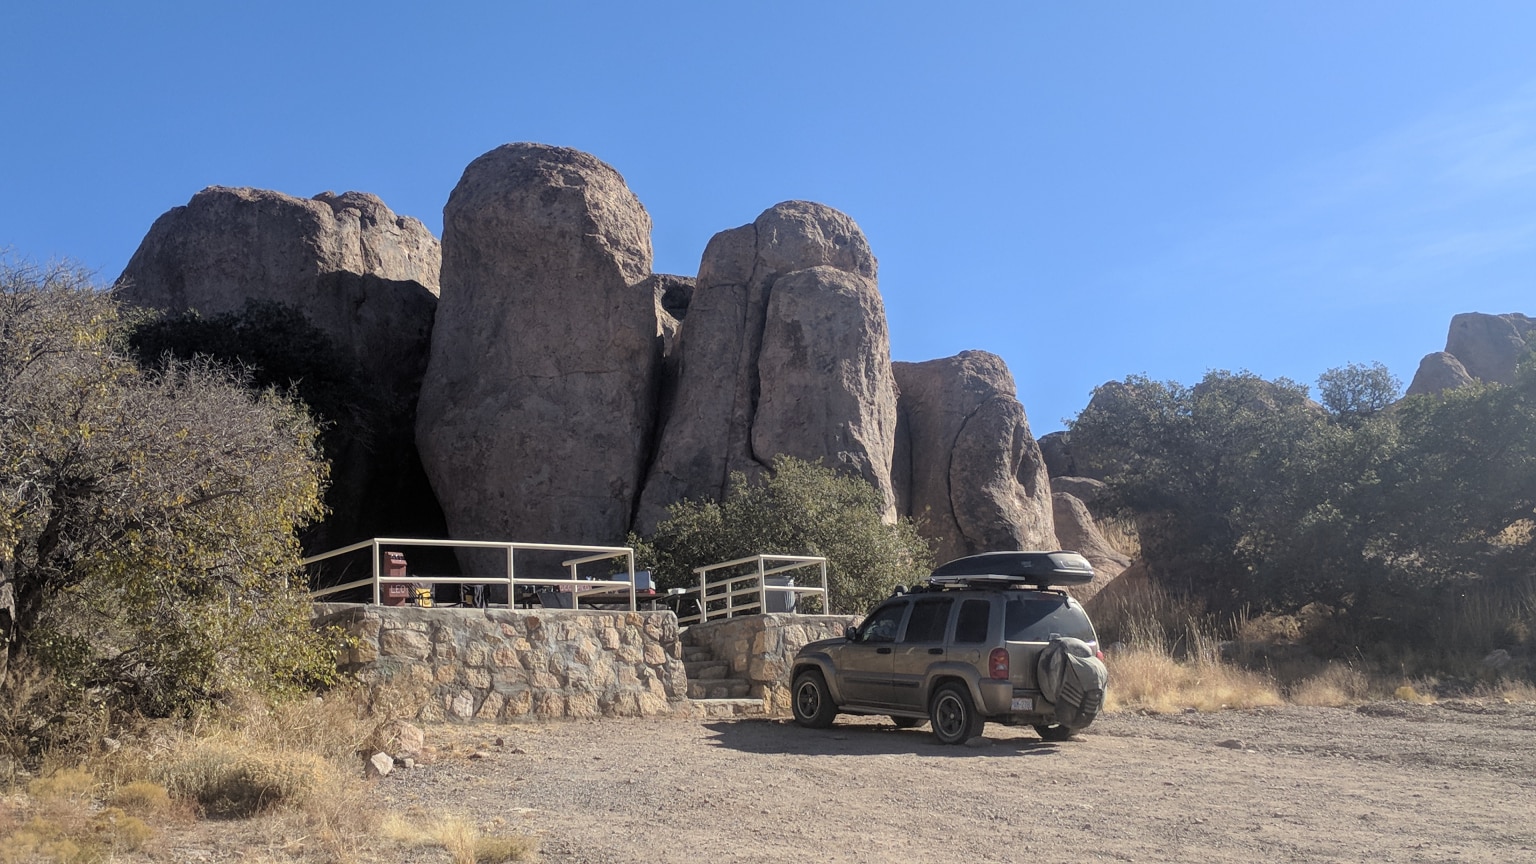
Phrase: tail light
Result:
[1099,654]
[998,663]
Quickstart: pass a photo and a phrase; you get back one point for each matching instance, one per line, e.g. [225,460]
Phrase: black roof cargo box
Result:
[1027,568]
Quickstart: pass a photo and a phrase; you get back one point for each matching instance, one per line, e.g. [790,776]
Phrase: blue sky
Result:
[1090,190]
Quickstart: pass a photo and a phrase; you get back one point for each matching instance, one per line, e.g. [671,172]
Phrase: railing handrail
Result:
[729,595]
[577,585]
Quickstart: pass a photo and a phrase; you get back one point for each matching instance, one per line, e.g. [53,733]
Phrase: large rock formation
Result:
[537,408]
[1478,347]
[967,468]
[1439,371]
[363,276]
[785,351]
[1077,531]
[358,272]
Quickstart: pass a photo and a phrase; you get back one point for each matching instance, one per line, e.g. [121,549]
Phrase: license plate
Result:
[1023,703]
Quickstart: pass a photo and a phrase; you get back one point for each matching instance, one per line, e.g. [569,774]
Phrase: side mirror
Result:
[851,633]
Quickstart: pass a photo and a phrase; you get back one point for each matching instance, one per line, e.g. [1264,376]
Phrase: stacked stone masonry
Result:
[760,648]
[464,665]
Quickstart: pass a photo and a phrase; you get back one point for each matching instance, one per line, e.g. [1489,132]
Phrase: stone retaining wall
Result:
[503,664]
[761,647]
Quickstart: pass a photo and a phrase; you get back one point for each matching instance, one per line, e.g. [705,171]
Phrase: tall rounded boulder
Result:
[358,272]
[537,407]
[967,469]
[785,351]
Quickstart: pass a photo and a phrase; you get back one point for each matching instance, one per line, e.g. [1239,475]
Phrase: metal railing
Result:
[573,586]
[720,598]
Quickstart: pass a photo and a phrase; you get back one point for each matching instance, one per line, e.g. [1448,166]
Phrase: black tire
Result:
[812,701]
[1053,732]
[953,715]
[907,722]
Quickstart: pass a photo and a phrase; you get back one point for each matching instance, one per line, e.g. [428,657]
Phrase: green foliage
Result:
[146,517]
[1406,521]
[799,508]
[1356,391]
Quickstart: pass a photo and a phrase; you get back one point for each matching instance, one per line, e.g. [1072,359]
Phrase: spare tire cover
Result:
[1072,679]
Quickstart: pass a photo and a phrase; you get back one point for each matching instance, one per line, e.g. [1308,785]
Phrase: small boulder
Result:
[378,765]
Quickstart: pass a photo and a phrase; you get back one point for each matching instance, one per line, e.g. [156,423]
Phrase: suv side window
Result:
[930,618]
[881,626]
[1037,619]
[972,624]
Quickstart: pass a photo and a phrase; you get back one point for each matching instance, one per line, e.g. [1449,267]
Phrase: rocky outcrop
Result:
[1084,489]
[1479,347]
[361,275]
[537,407]
[1077,531]
[358,272]
[1439,371]
[967,469]
[785,351]
[1489,346]
[1056,449]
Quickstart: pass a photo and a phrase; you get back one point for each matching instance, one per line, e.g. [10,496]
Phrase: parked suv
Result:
[988,638]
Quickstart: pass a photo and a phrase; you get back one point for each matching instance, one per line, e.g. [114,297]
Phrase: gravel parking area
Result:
[1384,782]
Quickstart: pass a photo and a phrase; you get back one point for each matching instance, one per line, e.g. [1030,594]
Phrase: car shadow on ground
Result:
[778,737]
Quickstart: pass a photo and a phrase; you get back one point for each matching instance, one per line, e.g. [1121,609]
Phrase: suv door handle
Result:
[935,650]
[882,650]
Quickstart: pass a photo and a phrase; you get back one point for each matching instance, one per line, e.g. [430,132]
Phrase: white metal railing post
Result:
[826,597]
[762,588]
[376,553]
[511,578]
[631,558]
[703,596]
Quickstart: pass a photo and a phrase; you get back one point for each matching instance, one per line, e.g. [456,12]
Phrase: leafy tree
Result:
[146,518]
[797,508]
[1356,391]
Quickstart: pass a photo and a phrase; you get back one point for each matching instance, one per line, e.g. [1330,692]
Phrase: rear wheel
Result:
[954,716]
[907,722]
[812,702]
[1053,732]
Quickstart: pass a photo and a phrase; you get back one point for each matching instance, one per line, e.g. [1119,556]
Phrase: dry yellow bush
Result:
[64,783]
[1337,685]
[229,780]
[1152,680]
[142,797]
[460,839]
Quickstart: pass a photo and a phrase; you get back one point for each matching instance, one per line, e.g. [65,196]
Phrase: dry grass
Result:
[60,821]
[462,840]
[1150,679]
[1339,684]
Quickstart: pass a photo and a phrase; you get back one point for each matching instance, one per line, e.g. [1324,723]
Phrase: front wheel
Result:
[812,702]
[954,716]
[1053,732]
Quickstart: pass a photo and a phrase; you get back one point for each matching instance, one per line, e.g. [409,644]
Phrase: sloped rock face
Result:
[1077,531]
[1439,371]
[967,468]
[785,350]
[360,274]
[357,271]
[1489,346]
[537,407]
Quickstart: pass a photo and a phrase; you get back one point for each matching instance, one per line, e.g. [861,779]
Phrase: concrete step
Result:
[693,653]
[728,708]
[704,670]
[719,688]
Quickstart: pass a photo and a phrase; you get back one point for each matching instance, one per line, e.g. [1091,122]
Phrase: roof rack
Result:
[1013,569]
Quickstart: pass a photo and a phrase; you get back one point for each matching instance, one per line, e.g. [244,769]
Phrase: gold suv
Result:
[990,637]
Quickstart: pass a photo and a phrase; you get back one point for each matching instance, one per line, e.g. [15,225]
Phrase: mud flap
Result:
[1072,679]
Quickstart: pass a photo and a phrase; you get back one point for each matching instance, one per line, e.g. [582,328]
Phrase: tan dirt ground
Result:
[1454,781]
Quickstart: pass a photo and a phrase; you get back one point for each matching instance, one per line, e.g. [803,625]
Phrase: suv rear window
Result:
[1037,619]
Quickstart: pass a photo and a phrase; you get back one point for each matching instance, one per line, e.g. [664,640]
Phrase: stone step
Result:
[728,708]
[719,688]
[692,653]
[706,669]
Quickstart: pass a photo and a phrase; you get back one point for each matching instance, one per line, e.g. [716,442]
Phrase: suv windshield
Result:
[1037,619]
